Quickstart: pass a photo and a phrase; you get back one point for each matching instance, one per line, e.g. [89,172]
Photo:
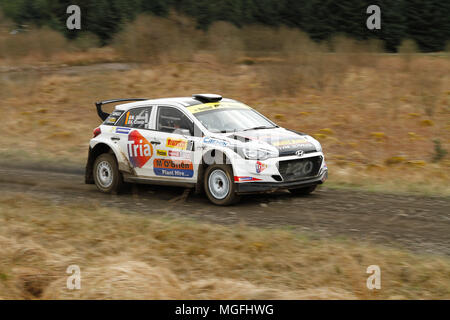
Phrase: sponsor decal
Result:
[238,179]
[293,146]
[173,168]
[282,142]
[179,154]
[123,130]
[116,113]
[174,153]
[177,143]
[140,119]
[139,149]
[162,153]
[216,105]
[289,142]
[260,167]
[215,142]
[127,117]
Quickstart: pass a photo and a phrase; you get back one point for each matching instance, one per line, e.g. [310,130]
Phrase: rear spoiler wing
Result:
[104,115]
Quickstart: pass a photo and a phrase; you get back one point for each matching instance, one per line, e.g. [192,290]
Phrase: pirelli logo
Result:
[177,143]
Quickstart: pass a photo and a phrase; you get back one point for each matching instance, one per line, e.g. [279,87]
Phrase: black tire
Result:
[303,191]
[221,172]
[107,176]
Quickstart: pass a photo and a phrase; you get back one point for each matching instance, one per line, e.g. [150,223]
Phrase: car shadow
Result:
[170,193]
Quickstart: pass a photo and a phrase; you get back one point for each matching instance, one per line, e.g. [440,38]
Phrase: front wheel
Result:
[219,185]
[303,191]
[107,176]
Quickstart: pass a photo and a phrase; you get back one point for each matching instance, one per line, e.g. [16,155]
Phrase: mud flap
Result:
[199,188]
[88,175]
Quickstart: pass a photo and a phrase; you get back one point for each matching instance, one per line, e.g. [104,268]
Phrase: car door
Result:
[137,140]
[174,154]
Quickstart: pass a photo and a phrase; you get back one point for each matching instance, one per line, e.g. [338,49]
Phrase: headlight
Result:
[258,154]
[316,143]
[252,153]
[318,147]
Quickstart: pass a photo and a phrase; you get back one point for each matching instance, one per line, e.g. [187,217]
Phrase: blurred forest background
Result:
[427,22]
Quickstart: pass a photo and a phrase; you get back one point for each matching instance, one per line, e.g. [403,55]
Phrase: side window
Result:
[171,119]
[138,118]
[112,118]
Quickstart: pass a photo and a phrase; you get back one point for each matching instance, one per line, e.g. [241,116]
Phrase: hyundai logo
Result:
[299,153]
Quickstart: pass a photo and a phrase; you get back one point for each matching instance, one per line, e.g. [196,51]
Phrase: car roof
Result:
[182,101]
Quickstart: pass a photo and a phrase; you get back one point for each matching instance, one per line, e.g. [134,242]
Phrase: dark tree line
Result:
[425,21]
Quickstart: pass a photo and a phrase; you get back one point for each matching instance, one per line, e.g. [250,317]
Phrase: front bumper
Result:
[254,187]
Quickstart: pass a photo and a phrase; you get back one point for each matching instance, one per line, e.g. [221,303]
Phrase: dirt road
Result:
[416,223]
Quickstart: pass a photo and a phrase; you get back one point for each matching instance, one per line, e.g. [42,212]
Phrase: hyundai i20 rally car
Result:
[206,142]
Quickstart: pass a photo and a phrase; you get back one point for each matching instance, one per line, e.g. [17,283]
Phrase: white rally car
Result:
[216,145]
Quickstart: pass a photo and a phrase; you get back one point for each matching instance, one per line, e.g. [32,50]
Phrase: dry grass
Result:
[38,48]
[375,106]
[131,256]
[34,45]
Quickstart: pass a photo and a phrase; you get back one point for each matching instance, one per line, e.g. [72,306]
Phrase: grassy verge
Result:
[397,187]
[402,180]
[133,256]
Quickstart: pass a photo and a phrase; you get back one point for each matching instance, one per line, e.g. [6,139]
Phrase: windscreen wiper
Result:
[260,127]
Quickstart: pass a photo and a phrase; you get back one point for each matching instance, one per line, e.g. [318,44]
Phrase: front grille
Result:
[300,168]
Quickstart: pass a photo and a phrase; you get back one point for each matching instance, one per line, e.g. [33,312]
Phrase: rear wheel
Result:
[219,185]
[107,176]
[303,191]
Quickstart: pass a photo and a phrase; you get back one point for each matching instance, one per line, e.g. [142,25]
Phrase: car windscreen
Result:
[232,119]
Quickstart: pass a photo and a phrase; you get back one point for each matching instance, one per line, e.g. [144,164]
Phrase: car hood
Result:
[287,142]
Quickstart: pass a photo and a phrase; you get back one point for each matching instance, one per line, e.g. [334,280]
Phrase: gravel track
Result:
[417,223]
